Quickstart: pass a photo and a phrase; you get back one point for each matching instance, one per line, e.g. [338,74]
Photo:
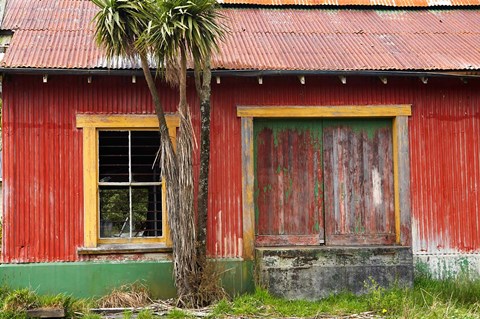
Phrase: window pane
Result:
[147,211]
[114,212]
[145,145]
[113,156]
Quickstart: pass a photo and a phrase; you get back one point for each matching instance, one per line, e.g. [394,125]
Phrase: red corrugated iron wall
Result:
[445,170]
[43,197]
[43,180]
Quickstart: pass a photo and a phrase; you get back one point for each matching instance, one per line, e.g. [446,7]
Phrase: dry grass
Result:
[209,289]
[127,296]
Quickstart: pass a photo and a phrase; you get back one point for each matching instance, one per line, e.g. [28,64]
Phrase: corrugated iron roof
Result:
[59,34]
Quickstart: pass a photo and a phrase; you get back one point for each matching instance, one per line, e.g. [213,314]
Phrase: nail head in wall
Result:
[260,80]
[383,79]
[218,79]
[134,79]
[343,79]
[301,78]
[89,79]
[45,78]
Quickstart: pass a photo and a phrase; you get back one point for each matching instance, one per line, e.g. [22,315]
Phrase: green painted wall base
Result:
[88,279]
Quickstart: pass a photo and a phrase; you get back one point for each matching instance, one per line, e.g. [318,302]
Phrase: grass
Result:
[430,298]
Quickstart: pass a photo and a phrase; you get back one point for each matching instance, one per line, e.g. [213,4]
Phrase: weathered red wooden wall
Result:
[43,163]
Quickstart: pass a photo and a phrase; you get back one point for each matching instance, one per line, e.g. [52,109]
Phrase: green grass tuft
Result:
[178,314]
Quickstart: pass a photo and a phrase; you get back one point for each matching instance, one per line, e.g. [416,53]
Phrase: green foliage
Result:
[459,298]
[14,303]
[119,23]
[20,300]
[13,314]
[194,24]
[178,314]
[115,208]
[145,314]
[222,307]
[92,316]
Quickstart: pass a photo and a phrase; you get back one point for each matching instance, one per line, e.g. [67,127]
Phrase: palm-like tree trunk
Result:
[156,99]
[184,254]
[202,82]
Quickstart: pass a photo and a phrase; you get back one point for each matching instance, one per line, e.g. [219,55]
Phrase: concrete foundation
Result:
[315,273]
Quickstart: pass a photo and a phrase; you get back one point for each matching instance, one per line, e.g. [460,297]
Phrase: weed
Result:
[92,316]
[145,314]
[13,315]
[20,300]
[223,307]
[375,292]
[459,298]
[178,314]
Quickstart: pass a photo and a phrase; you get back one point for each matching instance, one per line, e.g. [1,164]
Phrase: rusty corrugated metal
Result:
[43,199]
[288,182]
[59,34]
[359,198]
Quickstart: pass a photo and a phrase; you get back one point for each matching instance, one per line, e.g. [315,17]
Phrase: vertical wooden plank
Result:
[90,187]
[247,188]
[395,180]
[403,178]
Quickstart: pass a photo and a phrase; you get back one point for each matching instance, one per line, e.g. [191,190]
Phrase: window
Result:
[124,198]
[129,186]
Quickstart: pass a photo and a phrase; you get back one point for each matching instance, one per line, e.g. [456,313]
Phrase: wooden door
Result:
[358,176]
[288,182]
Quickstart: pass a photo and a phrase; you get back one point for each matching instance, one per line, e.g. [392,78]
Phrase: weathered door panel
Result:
[288,183]
[358,177]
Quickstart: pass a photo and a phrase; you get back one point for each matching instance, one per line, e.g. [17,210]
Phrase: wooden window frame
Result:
[401,159]
[91,124]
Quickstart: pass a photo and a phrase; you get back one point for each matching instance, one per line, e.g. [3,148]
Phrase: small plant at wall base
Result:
[173,31]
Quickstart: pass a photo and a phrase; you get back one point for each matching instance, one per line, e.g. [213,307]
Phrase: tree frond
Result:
[195,24]
[119,23]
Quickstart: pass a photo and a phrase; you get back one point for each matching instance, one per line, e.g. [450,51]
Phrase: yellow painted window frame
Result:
[401,172]
[91,124]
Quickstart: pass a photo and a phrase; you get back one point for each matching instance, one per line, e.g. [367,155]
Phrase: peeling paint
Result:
[377,187]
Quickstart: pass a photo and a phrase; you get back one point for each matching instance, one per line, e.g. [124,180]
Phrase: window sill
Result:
[107,249]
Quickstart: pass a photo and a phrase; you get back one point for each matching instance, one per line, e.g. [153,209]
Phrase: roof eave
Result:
[254,72]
